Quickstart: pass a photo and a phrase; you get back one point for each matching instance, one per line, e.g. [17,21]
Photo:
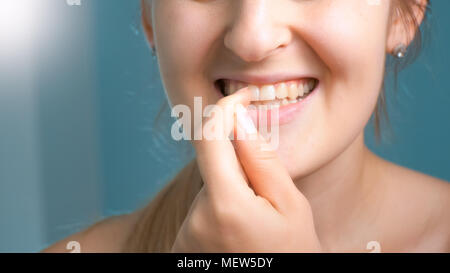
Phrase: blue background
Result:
[78,141]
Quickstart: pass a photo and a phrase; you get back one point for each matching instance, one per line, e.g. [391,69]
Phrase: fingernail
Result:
[245,121]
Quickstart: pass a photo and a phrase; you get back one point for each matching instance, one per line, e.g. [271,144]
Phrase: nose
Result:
[257,30]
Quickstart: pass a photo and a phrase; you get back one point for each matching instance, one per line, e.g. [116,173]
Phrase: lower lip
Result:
[286,113]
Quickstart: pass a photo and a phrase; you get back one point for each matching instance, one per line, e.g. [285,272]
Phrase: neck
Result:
[342,192]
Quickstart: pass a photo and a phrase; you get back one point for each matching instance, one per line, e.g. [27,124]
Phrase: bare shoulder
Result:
[425,202]
[433,190]
[106,236]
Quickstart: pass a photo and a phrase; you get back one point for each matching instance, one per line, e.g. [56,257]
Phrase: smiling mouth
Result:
[277,94]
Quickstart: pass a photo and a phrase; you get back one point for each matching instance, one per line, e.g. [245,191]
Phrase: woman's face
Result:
[341,44]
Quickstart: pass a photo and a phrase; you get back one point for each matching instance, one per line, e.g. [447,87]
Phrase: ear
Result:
[404,24]
[146,21]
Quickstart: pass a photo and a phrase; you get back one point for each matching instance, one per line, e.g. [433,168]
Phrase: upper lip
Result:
[264,79]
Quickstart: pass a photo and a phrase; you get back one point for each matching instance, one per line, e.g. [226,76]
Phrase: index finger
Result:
[217,160]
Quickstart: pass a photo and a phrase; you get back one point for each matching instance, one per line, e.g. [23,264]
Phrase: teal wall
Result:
[78,140]
[419,109]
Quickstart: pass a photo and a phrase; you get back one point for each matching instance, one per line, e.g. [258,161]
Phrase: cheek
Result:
[184,37]
[352,46]
[352,38]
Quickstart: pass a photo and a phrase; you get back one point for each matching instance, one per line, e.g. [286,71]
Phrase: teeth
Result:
[301,89]
[282,91]
[255,92]
[267,92]
[307,87]
[293,91]
[281,94]
[311,84]
[230,88]
[274,103]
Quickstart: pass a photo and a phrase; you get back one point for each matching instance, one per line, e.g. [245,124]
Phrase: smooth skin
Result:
[252,204]
[323,189]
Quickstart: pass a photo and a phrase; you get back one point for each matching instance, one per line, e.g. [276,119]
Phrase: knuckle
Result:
[265,155]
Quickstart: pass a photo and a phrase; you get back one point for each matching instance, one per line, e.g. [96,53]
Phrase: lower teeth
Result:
[276,103]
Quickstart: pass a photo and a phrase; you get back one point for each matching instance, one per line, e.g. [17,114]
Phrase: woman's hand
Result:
[249,202]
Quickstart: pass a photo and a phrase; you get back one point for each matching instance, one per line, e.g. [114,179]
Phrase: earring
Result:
[154,52]
[400,51]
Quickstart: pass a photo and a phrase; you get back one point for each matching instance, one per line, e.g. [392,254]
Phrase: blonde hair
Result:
[161,219]
[158,225]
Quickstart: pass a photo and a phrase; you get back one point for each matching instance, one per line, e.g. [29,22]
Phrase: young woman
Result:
[323,63]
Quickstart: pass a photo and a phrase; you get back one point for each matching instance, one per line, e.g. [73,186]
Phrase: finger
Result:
[267,175]
[217,160]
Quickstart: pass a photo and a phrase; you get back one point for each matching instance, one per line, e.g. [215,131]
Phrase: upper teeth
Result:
[285,90]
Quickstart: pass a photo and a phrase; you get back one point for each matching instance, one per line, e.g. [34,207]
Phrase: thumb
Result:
[267,175]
